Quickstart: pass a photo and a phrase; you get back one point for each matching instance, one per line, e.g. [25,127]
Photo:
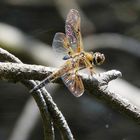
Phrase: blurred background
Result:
[27,28]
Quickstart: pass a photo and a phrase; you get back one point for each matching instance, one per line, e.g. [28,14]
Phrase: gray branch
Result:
[41,102]
[19,72]
[97,84]
[102,92]
[120,103]
[47,122]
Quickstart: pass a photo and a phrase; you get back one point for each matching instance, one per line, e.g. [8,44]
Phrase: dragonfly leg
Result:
[92,72]
[89,66]
[42,84]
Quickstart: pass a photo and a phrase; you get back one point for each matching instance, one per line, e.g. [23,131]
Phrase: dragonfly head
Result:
[98,58]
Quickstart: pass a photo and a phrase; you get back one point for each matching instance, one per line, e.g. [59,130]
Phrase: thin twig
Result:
[120,103]
[58,117]
[64,129]
[98,82]
[115,100]
[19,72]
[47,122]
[4,54]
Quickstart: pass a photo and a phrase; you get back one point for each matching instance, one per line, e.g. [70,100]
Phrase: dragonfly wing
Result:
[61,45]
[72,29]
[74,84]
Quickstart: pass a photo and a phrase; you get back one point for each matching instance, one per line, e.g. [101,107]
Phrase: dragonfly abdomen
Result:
[47,80]
[42,84]
[58,73]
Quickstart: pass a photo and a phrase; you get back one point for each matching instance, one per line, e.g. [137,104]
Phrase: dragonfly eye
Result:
[98,58]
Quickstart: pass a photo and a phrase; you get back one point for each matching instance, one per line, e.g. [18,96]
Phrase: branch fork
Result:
[24,72]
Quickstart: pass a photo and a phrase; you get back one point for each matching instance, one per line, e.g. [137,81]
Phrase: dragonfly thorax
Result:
[89,56]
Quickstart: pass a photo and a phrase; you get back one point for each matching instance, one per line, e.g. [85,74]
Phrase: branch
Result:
[65,130]
[43,108]
[19,72]
[104,93]
[120,103]
[47,122]
[98,82]
[101,79]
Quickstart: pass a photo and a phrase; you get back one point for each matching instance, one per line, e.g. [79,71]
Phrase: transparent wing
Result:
[61,45]
[72,29]
[74,83]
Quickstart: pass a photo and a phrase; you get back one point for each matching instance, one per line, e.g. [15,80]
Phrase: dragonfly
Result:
[70,44]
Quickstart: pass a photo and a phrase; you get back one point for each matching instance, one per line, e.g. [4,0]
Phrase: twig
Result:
[101,79]
[47,122]
[98,82]
[110,97]
[120,103]
[58,117]
[120,85]
[19,72]
[4,55]
[61,122]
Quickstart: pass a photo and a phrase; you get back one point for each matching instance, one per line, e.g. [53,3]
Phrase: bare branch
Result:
[98,82]
[6,56]
[101,79]
[58,117]
[19,72]
[39,98]
[117,101]
[65,130]
[47,122]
